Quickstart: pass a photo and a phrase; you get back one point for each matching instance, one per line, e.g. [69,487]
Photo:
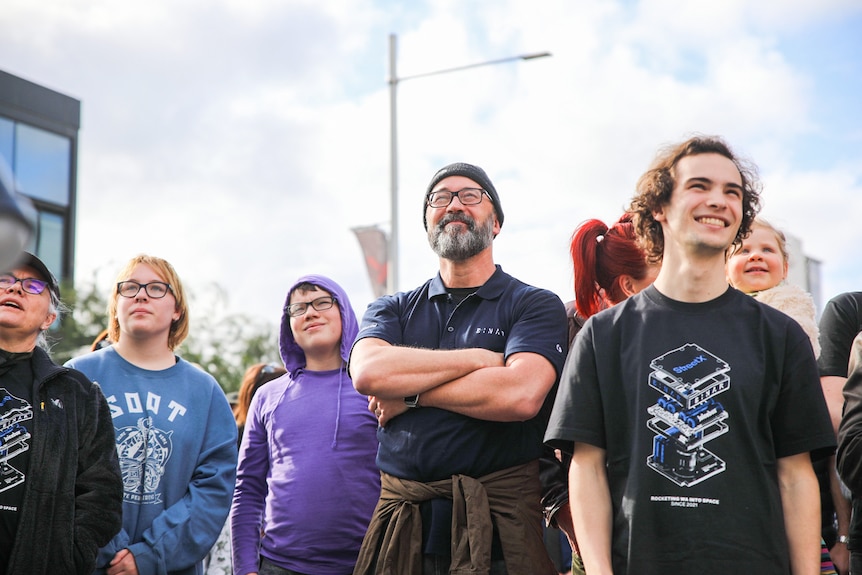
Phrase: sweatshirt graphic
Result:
[143,452]
[13,437]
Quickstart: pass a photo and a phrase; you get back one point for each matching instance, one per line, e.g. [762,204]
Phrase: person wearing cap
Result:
[60,486]
[458,372]
[175,433]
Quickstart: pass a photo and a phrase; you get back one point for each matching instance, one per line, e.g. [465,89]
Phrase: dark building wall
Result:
[25,102]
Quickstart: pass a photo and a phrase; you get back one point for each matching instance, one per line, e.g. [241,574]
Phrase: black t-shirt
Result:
[839,324]
[694,405]
[16,424]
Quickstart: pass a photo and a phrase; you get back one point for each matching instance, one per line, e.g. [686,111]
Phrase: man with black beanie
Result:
[458,373]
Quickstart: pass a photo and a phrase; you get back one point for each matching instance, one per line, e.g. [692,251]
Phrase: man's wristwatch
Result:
[412,400]
[845,539]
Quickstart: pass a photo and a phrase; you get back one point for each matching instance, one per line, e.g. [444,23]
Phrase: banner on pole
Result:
[374,245]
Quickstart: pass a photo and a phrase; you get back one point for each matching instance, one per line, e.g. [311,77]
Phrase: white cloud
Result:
[243,140]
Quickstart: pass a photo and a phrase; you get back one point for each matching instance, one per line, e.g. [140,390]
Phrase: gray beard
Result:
[459,246]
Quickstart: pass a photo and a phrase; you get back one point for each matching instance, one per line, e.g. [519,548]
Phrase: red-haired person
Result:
[608,267]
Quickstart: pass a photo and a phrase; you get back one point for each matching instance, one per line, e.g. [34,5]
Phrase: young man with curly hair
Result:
[693,411]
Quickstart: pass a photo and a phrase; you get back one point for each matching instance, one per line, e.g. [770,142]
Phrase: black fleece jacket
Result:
[73,497]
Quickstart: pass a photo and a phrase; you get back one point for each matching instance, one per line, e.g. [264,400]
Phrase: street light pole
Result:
[392,251]
[392,275]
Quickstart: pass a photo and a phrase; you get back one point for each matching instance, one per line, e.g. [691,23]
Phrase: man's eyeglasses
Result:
[156,290]
[467,197]
[29,285]
[319,304]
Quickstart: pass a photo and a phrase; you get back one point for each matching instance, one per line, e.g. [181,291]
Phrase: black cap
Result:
[29,260]
[476,174]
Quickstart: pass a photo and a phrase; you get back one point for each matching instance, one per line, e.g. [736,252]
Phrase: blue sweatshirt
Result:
[307,476]
[176,440]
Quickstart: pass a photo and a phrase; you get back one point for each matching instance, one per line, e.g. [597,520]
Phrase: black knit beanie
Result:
[476,174]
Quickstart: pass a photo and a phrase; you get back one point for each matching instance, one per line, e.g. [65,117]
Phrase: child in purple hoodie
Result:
[307,481]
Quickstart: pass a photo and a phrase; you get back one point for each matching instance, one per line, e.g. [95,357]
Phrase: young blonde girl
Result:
[759,267]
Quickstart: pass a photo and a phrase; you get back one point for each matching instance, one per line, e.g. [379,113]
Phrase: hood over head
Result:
[291,354]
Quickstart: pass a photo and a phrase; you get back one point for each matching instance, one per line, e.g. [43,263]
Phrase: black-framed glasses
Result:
[155,290]
[319,304]
[467,197]
[29,285]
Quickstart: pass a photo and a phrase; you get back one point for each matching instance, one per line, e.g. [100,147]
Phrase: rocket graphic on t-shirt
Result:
[13,437]
[687,416]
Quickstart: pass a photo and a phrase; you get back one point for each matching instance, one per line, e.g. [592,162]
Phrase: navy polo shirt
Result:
[504,315]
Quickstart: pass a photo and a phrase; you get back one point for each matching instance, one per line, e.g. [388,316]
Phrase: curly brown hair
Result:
[654,189]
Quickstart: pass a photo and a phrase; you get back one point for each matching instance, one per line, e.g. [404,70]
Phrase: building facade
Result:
[39,141]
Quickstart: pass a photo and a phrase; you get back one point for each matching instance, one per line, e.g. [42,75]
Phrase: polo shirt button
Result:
[450,328]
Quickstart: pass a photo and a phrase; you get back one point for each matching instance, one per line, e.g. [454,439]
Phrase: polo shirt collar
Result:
[491,289]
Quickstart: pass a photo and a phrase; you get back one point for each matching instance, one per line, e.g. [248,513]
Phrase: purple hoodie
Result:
[306,476]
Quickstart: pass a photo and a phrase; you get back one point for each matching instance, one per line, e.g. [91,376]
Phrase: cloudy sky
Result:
[243,139]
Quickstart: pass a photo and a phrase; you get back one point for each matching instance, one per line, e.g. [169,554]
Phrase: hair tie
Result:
[600,238]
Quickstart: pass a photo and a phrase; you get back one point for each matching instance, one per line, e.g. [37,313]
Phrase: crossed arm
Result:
[475,382]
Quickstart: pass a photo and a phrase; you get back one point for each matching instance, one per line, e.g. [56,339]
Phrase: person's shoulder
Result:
[744,304]
[195,373]
[844,307]
[633,305]
[401,297]
[68,375]
[80,380]
[274,388]
[853,298]
[524,289]
[92,359]
[789,298]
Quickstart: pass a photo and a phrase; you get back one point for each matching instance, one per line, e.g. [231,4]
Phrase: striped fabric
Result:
[826,566]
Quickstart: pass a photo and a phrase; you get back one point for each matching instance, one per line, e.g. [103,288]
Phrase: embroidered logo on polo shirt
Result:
[491,331]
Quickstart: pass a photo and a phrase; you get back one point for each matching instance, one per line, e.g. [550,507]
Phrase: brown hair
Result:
[654,190]
[179,328]
[255,376]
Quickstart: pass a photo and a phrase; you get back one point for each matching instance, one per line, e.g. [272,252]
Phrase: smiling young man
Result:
[693,411]
[459,372]
[175,433]
[306,477]
[60,485]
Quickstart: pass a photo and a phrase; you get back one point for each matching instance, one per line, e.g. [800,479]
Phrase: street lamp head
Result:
[536,55]
[472,172]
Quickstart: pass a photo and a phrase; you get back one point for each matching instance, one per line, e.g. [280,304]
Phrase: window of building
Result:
[42,162]
[49,240]
[7,140]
